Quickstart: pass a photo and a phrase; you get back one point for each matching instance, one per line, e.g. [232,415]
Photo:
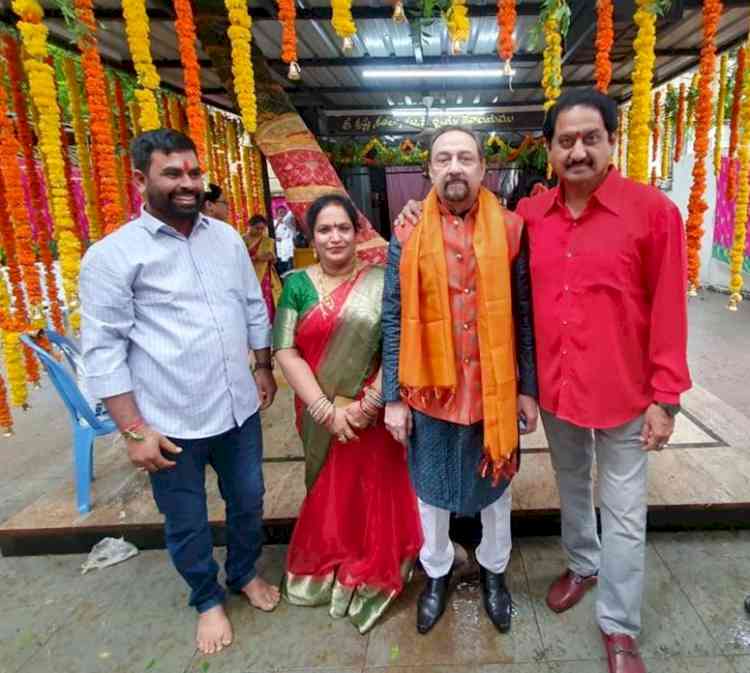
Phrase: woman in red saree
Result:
[358,532]
[262,251]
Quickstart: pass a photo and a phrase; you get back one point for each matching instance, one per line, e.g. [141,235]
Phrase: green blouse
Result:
[297,298]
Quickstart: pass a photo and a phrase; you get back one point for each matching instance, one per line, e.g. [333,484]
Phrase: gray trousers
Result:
[619,557]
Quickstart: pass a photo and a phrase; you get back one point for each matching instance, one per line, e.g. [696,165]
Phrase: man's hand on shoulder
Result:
[410,213]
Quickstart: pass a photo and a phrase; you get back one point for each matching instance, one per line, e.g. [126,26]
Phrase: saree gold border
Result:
[284,326]
[347,360]
[306,590]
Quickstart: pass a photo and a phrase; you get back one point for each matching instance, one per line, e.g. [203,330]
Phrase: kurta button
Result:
[466,325]
[466,290]
[565,288]
[459,256]
[569,254]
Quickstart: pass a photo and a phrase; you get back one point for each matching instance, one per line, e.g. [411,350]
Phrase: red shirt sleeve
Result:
[666,281]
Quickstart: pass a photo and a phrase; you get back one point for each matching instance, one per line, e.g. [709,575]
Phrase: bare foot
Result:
[261,594]
[214,630]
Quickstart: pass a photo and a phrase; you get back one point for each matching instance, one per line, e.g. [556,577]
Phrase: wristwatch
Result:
[670,409]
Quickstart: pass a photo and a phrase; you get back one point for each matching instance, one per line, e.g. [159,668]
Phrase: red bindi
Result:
[186,166]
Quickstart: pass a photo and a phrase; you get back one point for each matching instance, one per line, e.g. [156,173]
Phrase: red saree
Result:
[358,532]
[270,284]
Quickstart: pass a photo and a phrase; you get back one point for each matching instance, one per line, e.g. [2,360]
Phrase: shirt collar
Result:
[607,194]
[153,224]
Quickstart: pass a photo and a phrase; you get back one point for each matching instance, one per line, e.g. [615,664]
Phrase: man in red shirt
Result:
[608,270]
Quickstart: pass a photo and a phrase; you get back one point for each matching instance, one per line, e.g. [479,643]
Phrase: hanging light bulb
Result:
[347,45]
[295,72]
[399,16]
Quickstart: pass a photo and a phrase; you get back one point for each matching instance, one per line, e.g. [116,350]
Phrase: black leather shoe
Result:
[496,598]
[431,602]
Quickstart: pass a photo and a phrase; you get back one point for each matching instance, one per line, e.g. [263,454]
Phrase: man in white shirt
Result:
[171,308]
[284,230]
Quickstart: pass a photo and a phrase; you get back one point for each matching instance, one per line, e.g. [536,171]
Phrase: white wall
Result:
[713,271]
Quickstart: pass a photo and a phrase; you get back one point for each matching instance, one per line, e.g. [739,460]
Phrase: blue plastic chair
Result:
[88,423]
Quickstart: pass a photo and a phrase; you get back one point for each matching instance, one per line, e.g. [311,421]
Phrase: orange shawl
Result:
[427,363]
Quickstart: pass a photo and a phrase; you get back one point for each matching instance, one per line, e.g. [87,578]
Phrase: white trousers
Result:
[493,552]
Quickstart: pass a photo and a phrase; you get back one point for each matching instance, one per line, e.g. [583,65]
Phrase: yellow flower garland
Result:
[12,350]
[643,72]
[720,105]
[240,217]
[82,147]
[666,146]
[459,26]
[240,37]
[137,30]
[343,23]
[737,254]
[552,56]
[42,90]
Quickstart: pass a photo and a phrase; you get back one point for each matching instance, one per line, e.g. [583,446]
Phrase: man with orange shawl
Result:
[458,365]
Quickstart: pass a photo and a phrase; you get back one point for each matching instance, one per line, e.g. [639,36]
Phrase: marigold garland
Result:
[506,21]
[6,419]
[14,365]
[208,140]
[137,30]
[697,205]
[240,37]
[737,253]
[257,159]
[114,125]
[739,78]
[82,144]
[605,38]
[44,96]
[343,23]
[680,124]
[643,72]
[458,23]
[287,18]
[186,40]
[720,107]
[124,143]
[666,149]
[692,97]
[655,126]
[552,57]
[110,215]
[240,215]
[621,135]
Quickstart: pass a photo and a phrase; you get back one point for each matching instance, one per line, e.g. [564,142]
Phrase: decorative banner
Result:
[385,124]
[724,221]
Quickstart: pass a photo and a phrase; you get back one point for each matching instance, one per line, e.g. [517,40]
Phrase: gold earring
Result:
[315,252]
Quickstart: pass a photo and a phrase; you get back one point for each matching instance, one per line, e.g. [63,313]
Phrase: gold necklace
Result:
[326,301]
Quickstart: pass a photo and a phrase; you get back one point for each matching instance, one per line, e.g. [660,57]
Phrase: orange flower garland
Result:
[655,130]
[739,77]
[186,40]
[111,215]
[697,205]
[124,141]
[506,21]
[605,37]
[287,17]
[6,420]
[679,131]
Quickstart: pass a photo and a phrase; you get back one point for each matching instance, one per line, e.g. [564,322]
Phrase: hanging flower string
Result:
[666,149]
[124,144]
[6,420]
[692,97]
[506,21]
[287,17]
[43,94]
[621,135]
[739,78]
[258,180]
[643,72]
[697,205]
[458,24]
[720,107]
[605,37]
[679,137]
[343,24]
[137,30]
[737,253]
[655,125]
[186,40]
[110,213]
[240,38]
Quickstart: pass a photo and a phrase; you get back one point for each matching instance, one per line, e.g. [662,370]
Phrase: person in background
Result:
[171,309]
[215,203]
[261,248]
[357,536]
[284,231]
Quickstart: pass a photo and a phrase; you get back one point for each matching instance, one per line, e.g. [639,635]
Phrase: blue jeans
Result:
[180,494]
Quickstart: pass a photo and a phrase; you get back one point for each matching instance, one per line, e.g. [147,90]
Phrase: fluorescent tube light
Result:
[433,73]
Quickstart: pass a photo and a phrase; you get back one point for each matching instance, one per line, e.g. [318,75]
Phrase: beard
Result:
[456,190]
[166,204]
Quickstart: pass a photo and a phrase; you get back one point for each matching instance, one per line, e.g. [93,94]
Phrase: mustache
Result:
[585,162]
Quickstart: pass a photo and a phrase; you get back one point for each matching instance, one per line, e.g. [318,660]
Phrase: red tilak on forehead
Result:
[186,166]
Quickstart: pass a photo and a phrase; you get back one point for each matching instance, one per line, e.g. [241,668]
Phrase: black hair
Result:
[213,194]
[331,200]
[257,219]
[448,129]
[526,182]
[159,140]
[590,98]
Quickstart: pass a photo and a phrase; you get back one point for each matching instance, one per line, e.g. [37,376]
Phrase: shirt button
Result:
[565,322]
[565,288]
[459,256]
[565,352]
[565,383]
[569,254]
[467,360]
[466,290]
[466,325]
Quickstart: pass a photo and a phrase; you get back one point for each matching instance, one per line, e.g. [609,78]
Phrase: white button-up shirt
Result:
[172,319]
[285,231]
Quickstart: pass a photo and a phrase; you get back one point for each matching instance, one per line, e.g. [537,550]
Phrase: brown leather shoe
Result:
[622,653]
[567,590]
